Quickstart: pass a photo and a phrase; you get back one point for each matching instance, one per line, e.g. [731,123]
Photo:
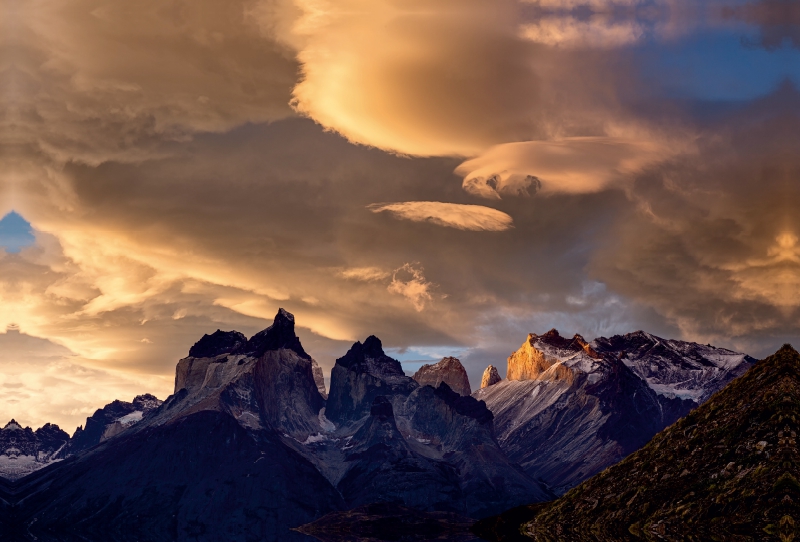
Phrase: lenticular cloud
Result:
[451,215]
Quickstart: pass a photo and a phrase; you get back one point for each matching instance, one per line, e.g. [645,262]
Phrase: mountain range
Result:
[251,444]
[570,408]
[726,471]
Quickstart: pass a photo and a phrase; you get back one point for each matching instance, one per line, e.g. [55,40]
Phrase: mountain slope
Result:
[200,478]
[727,471]
[676,368]
[571,408]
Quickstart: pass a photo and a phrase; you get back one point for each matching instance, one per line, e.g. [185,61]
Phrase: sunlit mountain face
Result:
[449,175]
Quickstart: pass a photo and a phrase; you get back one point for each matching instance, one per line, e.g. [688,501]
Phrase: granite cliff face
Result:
[490,377]
[573,408]
[215,458]
[450,371]
[727,471]
[384,423]
[361,375]
[265,382]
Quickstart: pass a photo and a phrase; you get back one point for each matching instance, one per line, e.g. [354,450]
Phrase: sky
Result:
[448,175]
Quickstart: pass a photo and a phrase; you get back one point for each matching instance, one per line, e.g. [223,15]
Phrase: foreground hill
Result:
[727,471]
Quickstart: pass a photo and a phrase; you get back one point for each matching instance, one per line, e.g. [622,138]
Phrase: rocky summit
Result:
[571,408]
[23,450]
[490,377]
[727,471]
[450,371]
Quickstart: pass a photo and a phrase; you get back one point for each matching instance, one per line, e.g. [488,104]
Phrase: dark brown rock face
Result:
[450,371]
[361,375]
[727,471]
[490,377]
[216,344]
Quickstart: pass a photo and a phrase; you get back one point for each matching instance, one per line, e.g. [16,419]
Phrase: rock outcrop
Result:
[564,430]
[584,406]
[361,375]
[450,371]
[319,378]
[727,471]
[386,423]
[490,377]
[541,352]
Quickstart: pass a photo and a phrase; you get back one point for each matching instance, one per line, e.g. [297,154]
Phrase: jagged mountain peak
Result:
[218,343]
[675,368]
[551,356]
[490,377]
[727,471]
[555,340]
[369,357]
[373,347]
[13,425]
[279,335]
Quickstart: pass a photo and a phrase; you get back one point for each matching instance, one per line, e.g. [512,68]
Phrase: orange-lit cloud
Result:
[570,165]
[161,153]
[453,215]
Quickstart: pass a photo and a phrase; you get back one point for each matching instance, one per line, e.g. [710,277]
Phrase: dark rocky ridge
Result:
[102,422]
[279,335]
[446,438]
[218,343]
[383,467]
[727,471]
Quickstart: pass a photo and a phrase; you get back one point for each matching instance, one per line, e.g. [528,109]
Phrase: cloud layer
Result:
[161,154]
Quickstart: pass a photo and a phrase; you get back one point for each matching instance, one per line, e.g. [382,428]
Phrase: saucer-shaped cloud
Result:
[571,165]
[452,215]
